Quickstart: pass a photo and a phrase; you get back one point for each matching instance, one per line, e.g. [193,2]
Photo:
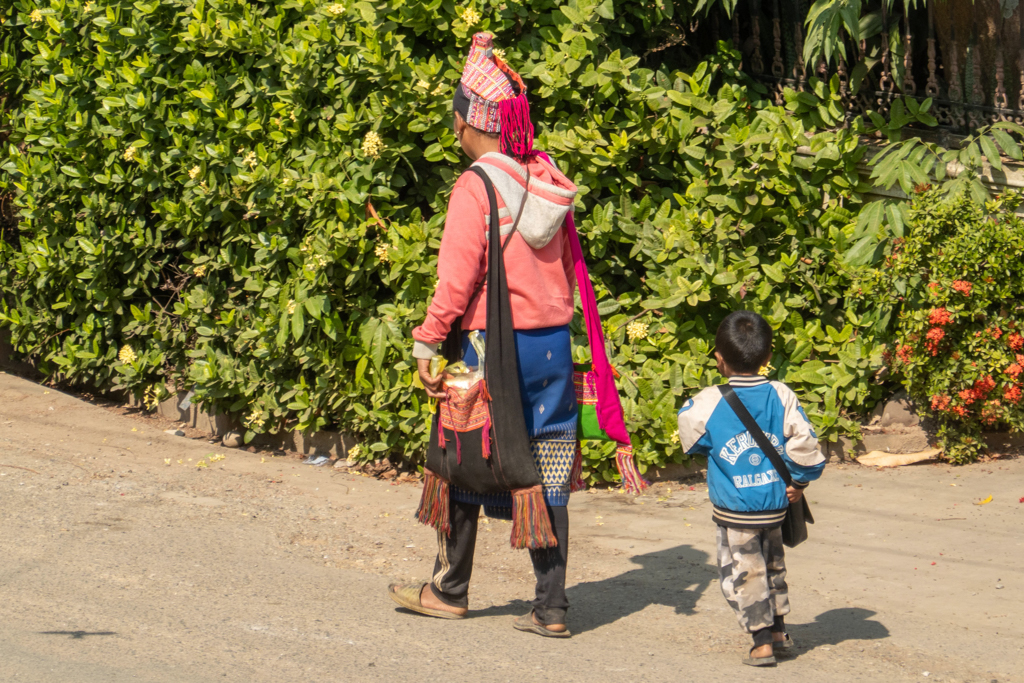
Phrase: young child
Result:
[749,497]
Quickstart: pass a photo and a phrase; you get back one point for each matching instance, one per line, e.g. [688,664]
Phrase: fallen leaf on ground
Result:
[984,502]
[883,459]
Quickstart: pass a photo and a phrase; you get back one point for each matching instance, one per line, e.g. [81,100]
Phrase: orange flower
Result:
[960,411]
[984,385]
[990,413]
[1014,370]
[963,286]
[933,337]
[939,316]
[1013,394]
[1016,341]
[940,403]
[903,353]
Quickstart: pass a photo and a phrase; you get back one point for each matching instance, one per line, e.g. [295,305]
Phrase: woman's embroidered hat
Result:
[492,97]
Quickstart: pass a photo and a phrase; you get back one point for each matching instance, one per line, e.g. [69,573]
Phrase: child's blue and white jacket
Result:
[745,489]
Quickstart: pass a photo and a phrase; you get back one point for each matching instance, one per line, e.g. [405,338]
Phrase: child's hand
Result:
[794,494]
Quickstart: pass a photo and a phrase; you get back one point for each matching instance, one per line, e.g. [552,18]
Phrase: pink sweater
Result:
[538,262]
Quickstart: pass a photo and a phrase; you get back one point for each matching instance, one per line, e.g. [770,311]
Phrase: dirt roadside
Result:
[117,566]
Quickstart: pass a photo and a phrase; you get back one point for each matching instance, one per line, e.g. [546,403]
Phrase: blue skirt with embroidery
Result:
[549,405]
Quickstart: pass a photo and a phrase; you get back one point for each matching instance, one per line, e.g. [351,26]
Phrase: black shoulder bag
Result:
[794,526]
[479,442]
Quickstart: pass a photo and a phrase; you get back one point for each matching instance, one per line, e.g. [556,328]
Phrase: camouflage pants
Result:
[752,568]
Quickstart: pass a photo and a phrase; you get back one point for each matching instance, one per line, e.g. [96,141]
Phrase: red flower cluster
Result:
[1016,341]
[990,414]
[985,385]
[934,286]
[940,316]
[940,403]
[933,337]
[1014,370]
[963,286]
[903,353]
[960,411]
[995,332]
[979,391]
[1013,394]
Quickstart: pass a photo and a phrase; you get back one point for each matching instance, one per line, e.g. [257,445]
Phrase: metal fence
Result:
[966,55]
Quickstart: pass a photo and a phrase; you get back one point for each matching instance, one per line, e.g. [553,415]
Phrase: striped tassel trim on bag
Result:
[434,507]
[576,482]
[632,480]
[531,524]
[485,438]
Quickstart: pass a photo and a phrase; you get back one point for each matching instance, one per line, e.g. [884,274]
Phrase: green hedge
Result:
[192,178]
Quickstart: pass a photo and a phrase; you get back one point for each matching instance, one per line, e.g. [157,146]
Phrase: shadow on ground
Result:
[676,577]
[78,635]
[837,626]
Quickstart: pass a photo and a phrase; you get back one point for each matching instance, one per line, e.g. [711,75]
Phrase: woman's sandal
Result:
[527,624]
[408,596]
[784,644]
[759,661]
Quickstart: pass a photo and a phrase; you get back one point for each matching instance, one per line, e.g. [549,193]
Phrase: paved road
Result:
[118,567]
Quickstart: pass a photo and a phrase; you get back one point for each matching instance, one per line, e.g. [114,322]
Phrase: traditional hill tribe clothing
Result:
[540,275]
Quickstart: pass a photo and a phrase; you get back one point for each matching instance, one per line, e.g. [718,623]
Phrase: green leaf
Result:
[861,253]
[578,47]
[991,152]
[773,272]
[1007,143]
[298,323]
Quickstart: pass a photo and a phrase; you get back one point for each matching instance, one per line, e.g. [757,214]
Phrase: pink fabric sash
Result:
[609,409]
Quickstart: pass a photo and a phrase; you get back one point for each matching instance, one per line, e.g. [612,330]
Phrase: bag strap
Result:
[511,441]
[763,442]
[452,347]
[489,187]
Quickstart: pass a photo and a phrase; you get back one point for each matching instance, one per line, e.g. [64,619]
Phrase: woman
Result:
[534,198]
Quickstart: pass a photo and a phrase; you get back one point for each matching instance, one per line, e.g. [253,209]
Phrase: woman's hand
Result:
[794,494]
[431,384]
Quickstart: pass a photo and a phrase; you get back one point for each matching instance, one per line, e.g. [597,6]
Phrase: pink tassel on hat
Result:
[516,127]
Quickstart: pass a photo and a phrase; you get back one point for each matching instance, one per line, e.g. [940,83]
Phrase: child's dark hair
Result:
[745,341]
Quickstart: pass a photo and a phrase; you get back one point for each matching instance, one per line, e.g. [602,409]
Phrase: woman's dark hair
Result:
[745,341]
